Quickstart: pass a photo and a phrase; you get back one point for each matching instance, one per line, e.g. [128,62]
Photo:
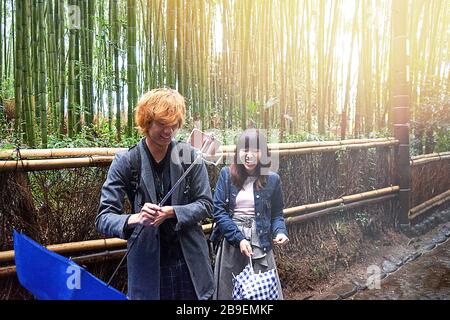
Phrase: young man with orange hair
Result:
[169,260]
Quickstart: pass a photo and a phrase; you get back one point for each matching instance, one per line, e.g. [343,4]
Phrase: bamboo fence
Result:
[296,214]
[96,157]
[429,204]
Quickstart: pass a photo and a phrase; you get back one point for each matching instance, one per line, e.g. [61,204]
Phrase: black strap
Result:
[188,179]
[135,162]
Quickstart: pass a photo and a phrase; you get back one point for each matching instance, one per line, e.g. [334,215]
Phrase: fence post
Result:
[401,102]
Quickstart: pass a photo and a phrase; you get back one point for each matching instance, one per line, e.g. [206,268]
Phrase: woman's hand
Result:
[280,239]
[246,248]
[146,216]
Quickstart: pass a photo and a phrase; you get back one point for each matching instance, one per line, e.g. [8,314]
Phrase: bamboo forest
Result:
[225,150]
[311,70]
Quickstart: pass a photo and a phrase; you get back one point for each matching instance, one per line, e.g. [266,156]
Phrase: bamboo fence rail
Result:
[96,161]
[430,155]
[312,144]
[429,204]
[82,152]
[90,245]
[103,156]
[54,164]
[109,255]
[317,214]
[58,153]
[336,204]
[423,159]
[90,258]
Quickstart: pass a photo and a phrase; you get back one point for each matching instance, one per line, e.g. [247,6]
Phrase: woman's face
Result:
[250,158]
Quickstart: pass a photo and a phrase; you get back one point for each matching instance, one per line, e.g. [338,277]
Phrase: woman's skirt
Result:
[230,261]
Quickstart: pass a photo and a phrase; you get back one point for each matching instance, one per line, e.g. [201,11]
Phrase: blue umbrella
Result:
[50,276]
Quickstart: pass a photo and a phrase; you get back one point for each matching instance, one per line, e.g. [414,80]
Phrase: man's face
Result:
[162,134]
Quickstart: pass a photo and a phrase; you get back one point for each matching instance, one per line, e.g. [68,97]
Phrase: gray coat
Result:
[143,260]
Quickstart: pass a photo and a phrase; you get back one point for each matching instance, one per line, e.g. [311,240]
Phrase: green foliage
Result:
[382,133]
[341,228]
[97,136]
[442,139]
[362,218]
[318,271]
[304,136]
[7,89]
[252,112]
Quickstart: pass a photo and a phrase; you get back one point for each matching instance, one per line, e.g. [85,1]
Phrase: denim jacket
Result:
[268,210]
[192,203]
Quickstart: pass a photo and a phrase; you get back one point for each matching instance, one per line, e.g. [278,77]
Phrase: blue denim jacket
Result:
[268,210]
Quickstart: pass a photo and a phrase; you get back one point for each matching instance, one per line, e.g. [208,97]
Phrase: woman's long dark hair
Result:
[250,139]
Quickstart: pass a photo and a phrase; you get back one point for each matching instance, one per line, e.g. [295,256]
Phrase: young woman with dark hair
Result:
[248,212]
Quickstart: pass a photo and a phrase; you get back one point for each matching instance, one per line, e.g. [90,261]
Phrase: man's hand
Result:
[146,216]
[162,214]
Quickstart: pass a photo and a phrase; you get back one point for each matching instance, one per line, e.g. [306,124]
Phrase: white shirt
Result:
[245,201]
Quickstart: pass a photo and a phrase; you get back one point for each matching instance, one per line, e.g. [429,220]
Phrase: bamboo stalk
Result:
[314,206]
[55,153]
[317,214]
[334,148]
[306,146]
[313,144]
[429,204]
[224,151]
[90,245]
[370,194]
[423,156]
[54,164]
[90,258]
[7,271]
[423,160]
[75,152]
[131,64]
[430,155]
[341,201]
[286,152]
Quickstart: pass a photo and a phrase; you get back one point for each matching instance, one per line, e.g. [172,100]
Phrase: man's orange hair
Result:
[164,105]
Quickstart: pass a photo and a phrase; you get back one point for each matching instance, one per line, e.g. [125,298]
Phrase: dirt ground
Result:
[343,283]
[396,244]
